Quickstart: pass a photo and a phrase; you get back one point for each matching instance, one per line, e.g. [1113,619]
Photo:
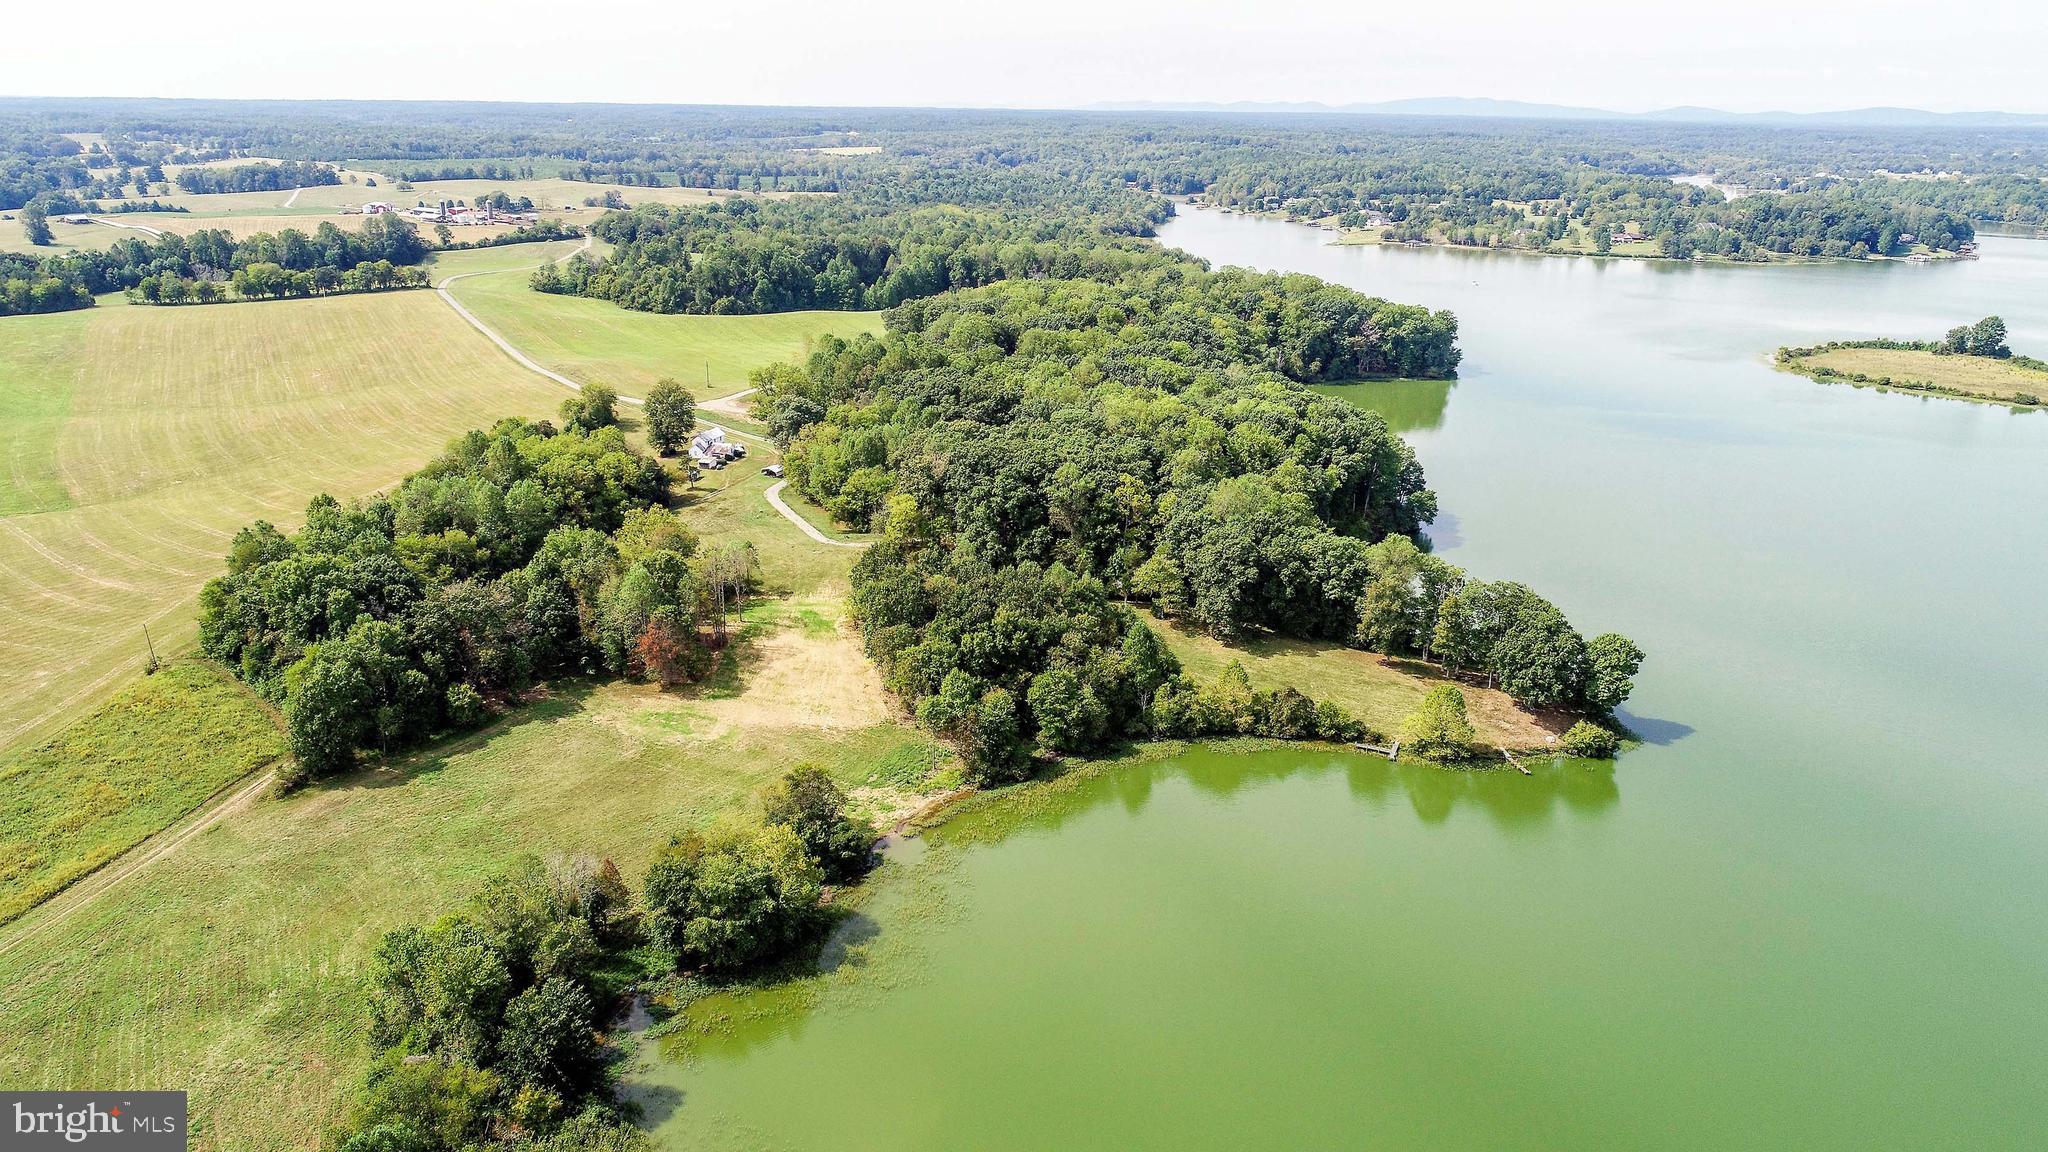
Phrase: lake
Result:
[1810,912]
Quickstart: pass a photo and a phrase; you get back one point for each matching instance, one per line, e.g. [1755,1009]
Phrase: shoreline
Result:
[1363,238]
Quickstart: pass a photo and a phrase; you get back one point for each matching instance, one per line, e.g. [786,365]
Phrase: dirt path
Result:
[154,232]
[505,345]
[293,198]
[774,495]
[80,896]
[729,406]
[774,492]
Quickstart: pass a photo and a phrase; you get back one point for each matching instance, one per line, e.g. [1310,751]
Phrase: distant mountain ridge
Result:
[1523,110]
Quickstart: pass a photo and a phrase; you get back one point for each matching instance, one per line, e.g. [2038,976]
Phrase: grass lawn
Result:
[596,341]
[133,768]
[1379,692]
[1976,377]
[234,967]
[153,434]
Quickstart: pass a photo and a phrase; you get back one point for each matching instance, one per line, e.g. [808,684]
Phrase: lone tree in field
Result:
[671,414]
[35,225]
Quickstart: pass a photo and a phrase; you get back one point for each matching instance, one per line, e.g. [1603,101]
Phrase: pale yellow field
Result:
[1978,376]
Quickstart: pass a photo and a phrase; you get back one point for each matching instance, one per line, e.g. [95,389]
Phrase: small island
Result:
[1971,363]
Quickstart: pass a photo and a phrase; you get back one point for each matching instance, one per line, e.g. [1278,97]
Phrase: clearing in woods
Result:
[153,434]
[1379,692]
[234,966]
[596,341]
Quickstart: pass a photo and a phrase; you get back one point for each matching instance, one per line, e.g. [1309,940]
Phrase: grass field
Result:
[155,433]
[234,967]
[1379,692]
[247,213]
[596,341]
[128,771]
[547,194]
[1975,377]
[72,238]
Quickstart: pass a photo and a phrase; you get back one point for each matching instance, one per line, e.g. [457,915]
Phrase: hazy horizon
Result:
[1743,56]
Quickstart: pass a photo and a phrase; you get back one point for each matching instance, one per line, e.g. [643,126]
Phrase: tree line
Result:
[279,177]
[202,267]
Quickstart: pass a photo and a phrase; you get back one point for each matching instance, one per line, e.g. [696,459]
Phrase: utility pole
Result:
[152,650]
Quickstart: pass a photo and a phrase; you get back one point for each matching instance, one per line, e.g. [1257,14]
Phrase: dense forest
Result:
[1038,453]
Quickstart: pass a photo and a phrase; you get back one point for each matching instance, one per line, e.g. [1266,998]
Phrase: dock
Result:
[1390,751]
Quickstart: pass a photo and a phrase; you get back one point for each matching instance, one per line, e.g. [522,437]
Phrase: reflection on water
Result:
[891,939]
[1512,800]
[1651,730]
[1817,924]
[1406,405]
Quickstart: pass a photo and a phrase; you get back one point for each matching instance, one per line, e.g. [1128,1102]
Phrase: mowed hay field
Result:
[153,434]
[234,968]
[71,238]
[596,341]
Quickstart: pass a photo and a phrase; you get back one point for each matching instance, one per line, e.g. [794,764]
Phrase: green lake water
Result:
[1811,912]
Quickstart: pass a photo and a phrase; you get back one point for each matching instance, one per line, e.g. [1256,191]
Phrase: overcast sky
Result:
[1740,55]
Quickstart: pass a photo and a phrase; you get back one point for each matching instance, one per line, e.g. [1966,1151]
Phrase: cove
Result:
[1807,913]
